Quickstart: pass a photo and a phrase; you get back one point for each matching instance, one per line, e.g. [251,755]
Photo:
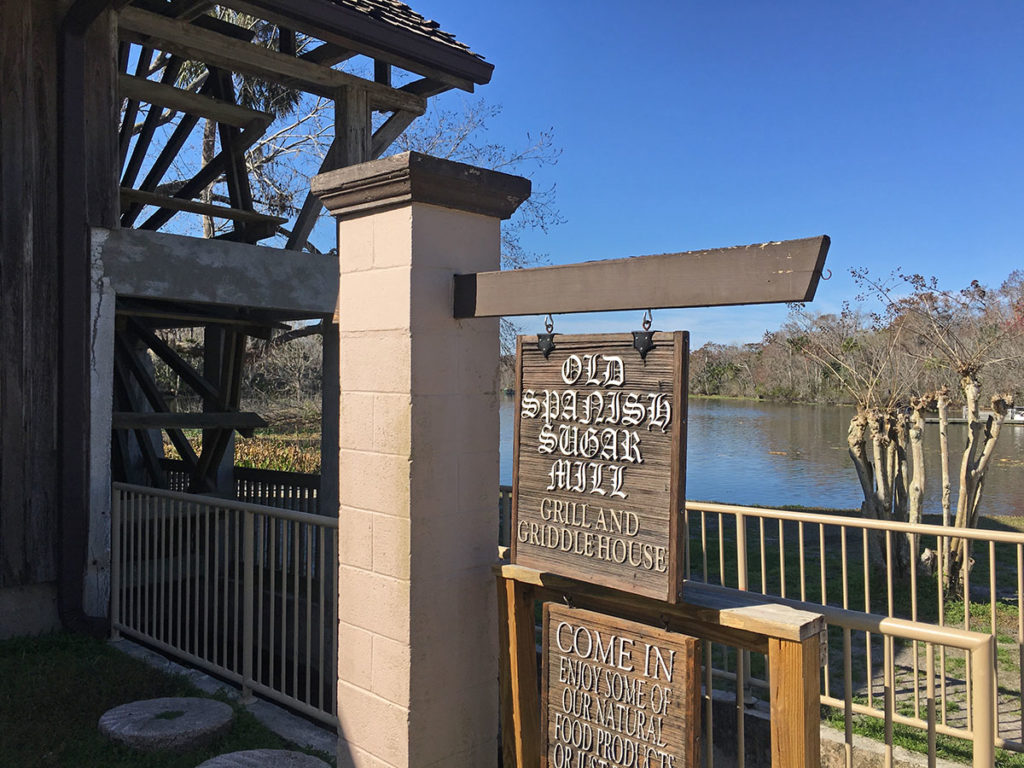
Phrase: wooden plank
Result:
[744,619]
[180,100]
[517,614]
[218,50]
[194,206]
[242,420]
[30,478]
[614,688]
[597,481]
[795,708]
[751,274]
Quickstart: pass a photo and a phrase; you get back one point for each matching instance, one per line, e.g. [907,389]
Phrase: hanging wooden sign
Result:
[599,459]
[617,694]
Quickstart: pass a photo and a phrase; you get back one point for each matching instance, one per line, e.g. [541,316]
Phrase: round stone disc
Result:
[264,758]
[173,724]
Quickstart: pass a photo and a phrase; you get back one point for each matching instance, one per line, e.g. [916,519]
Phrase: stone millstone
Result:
[173,724]
[264,758]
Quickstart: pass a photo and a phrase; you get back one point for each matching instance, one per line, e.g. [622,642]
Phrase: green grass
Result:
[53,690]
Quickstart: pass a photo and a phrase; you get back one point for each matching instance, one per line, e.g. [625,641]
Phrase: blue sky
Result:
[895,128]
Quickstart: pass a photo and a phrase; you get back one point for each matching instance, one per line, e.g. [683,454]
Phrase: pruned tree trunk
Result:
[942,404]
[981,442]
[915,490]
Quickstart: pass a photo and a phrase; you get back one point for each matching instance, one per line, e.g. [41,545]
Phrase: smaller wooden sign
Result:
[617,694]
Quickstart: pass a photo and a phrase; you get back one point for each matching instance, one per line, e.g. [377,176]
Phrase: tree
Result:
[860,354]
[965,333]
[922,344]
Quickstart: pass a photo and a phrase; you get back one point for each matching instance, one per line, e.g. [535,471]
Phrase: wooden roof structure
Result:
[158,37]
[308,46]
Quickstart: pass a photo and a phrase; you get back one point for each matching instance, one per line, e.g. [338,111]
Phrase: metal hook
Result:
[546,341]
[568,601]
[643,341]
[829,274]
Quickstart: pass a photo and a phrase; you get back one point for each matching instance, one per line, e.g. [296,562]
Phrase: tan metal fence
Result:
[245,591]
[900,650]
[903,652]
[271,487]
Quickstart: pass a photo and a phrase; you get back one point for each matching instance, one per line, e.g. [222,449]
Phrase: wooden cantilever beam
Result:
[212,48]
[749,274]
[194,206]
[180,100]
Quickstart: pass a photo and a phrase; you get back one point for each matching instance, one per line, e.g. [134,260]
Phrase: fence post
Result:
[794,672]
[983,665]
[248,545]
[115,564]
[741,551]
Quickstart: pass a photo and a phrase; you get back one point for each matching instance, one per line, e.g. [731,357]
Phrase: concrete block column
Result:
[418,463]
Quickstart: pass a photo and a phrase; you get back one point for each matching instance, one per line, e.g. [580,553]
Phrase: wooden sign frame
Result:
[653,564]
[592,712]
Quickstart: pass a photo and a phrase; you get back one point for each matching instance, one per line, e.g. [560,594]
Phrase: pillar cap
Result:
[412,177]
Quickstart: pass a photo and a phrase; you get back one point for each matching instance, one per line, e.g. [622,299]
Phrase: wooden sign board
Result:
[617,694]
[599,455]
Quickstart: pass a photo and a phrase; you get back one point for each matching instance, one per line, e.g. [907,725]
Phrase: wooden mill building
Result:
[96,111]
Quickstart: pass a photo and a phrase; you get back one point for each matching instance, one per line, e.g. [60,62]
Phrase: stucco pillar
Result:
[418,463]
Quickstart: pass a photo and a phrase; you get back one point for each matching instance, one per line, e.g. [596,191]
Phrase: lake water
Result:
[745,452]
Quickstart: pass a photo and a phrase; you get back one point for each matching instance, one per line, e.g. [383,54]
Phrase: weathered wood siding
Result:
[29,480]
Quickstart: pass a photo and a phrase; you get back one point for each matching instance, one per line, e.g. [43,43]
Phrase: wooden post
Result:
[794,671]
[520,712]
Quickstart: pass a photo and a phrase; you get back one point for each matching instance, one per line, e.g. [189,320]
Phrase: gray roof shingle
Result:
[403,17]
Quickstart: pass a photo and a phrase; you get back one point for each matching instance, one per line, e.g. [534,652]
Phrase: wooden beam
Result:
[752,274]
[426,87]
[241,421]
[194,206]
[192,42]
[180,100]
[328,55]
[219,275]
[388,133]
[132,107]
